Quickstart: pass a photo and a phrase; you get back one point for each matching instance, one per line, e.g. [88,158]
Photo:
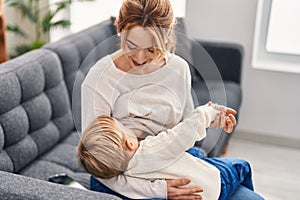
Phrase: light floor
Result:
[276,169]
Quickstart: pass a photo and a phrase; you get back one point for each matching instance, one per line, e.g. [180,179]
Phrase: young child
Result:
[108,149]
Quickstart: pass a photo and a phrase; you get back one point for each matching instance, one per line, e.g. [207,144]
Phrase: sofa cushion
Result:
[60,159]
[35,112]
[64,155]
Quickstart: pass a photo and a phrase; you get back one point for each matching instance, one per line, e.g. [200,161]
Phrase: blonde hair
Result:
[156,15]
[102,150]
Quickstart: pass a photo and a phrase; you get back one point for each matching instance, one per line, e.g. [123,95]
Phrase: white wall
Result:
[271,100]
[9,19]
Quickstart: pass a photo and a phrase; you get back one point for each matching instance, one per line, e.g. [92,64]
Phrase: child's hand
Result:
[224,119]
[221,108]
[230,122]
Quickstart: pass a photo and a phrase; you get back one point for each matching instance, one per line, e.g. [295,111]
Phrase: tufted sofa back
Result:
[34,105]
[37,91]
[78,53]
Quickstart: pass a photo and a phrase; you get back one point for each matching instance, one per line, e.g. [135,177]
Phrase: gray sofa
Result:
[40,112]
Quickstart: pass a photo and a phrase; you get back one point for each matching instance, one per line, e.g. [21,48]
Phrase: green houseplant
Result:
[42,19]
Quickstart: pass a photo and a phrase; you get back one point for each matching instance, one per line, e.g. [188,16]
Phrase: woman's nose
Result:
[140,55]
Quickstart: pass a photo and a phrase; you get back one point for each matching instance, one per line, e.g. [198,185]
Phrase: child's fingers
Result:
[232,118]
[229,126]
[222,120]
[230,111]
[225,109]
[219,121]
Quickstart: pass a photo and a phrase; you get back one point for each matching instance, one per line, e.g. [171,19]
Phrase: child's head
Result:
[104,150]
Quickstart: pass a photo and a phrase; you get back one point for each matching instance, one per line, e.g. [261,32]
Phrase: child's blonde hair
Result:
[102,148]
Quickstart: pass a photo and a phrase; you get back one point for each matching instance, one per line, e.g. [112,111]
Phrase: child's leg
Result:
[234,172]
[243,193]
[196,152]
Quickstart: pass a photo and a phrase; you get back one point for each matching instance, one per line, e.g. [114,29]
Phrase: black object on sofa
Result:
[40,111]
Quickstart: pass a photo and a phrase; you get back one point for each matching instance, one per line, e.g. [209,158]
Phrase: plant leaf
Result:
[23,48]
[48,17]
[36,44]
[11,3]
[19,50]
[61,24]
[25,9]
[16,30]
[46,21]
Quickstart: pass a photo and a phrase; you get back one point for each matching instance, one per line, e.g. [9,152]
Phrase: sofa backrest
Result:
[34,105]
[228,58]
[78,53]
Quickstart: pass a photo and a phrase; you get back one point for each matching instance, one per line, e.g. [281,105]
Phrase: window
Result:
[276,40]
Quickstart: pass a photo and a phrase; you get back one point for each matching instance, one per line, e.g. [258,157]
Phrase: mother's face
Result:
[139,45]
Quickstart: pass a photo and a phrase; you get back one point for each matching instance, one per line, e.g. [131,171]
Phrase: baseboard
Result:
[267,139]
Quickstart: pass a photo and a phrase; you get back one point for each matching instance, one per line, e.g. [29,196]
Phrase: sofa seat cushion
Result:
[60,159]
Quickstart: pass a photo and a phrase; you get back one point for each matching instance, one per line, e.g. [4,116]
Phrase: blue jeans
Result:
[236,181]
[97,186]
[243,193]
[234,172]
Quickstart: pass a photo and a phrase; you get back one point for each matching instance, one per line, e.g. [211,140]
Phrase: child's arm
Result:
[168,145]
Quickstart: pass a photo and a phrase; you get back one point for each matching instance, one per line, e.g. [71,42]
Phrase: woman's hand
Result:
[174,192]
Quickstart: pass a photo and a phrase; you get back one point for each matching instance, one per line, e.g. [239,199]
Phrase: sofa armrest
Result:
[15,186]
[227,57]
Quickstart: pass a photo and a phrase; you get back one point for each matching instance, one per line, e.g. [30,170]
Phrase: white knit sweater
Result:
[148,103]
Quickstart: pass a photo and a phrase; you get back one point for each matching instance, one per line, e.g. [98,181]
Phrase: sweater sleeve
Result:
[136,188]
[157,152]
[189,104]
[92,105]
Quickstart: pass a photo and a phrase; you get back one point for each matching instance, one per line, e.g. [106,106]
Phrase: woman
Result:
[134,82]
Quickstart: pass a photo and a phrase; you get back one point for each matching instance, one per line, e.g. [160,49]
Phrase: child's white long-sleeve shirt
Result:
[164,156]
